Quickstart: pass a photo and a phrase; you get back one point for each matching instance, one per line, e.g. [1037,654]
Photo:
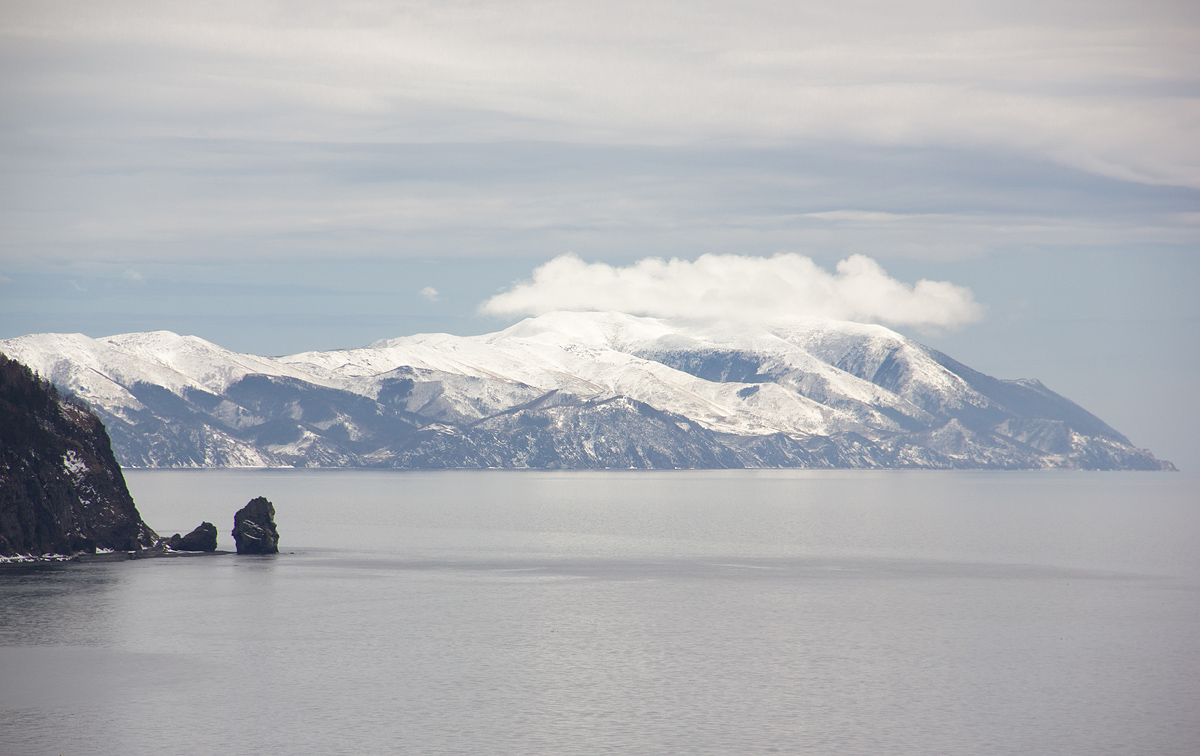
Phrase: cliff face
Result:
[61,490]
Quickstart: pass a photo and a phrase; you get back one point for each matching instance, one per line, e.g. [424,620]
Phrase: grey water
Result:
[626,612]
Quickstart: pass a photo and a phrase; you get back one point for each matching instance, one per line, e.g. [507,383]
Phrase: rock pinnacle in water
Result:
[254,528]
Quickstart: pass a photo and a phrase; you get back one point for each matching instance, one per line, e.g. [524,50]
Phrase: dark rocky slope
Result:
[203,538]
[61,490]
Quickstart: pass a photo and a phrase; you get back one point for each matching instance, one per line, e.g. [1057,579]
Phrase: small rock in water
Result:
[203,538]
[254,528]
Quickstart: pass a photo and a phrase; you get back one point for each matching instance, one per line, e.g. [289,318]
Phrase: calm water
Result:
[633,613]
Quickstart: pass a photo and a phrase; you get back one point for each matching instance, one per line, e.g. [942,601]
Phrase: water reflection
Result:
[68,604]
[503,615]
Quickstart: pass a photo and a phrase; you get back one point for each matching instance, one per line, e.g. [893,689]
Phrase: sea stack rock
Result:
[203,538]
[254,528]
[61,490]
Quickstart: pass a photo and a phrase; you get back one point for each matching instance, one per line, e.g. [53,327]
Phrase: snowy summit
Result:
[576,390]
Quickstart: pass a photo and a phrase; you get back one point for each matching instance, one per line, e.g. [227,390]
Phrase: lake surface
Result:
[737,612]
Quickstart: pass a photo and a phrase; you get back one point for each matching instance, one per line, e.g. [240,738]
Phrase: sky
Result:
[1015,184]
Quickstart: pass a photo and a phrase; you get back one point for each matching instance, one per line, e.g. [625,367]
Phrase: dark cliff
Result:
[61,490]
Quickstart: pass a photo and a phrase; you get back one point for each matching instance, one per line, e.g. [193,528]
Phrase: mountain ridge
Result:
[571,390]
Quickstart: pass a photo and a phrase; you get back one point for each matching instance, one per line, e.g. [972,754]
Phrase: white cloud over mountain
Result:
[783,287]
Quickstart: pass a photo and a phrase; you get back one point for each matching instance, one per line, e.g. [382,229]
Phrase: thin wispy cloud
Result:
[1104,90]
[186,130]
[735,287]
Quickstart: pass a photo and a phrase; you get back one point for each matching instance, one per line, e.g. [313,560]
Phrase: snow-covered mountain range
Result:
[575,390]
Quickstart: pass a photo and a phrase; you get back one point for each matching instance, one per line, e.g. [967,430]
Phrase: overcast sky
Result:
[286,176]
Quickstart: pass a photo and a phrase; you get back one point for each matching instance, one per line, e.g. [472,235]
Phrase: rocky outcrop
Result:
[61,490]
[203,538]
[254,528]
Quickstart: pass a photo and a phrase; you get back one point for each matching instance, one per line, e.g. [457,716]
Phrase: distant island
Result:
[573,390]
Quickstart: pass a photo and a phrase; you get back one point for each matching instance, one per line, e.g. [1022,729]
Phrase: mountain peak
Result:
[801,393]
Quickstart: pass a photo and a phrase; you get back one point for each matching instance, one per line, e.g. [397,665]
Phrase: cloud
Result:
[1109,90]
[430,293]
[170,131]
[858,216]
[784,287]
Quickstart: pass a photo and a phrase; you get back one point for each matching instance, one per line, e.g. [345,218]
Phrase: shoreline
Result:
[51,560]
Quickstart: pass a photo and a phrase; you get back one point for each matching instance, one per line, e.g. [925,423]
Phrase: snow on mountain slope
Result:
[446,397]
[580,354]
[597,354]
[887,359]
[699,393]
[101,371]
